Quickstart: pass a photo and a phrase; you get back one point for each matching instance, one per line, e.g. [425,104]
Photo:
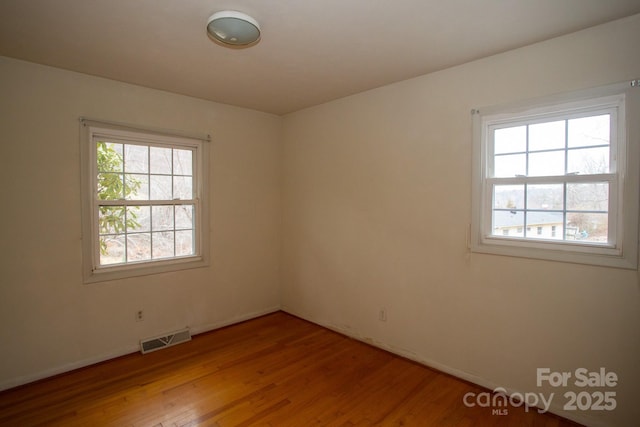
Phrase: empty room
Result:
[330,213]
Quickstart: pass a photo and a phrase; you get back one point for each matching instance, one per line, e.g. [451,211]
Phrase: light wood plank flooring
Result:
[276,370]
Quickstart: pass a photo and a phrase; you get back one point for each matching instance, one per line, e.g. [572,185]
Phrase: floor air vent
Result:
[164,341]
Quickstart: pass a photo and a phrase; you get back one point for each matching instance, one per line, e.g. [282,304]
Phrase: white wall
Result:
[49,320]
[376,208]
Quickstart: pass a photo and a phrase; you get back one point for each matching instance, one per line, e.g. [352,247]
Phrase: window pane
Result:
[587,227]
[112,249]
[588,196]
[162,218]
[182,187]
[588,161]
[182,162]
[184,243]
[160,187]
[160,159]
[546,136]
[163,244]
[548,196]
[508,197]
[510,140]
[184,217]
[136,186]
[110,186]
[510,165]
[111,219]
[507,223]
[545,225]
[136,158]
[138,247]
[109,157]
[588,131]
[546,163]
[138,218]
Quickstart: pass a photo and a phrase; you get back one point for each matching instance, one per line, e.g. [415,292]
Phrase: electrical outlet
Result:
[382,315]
[139,316]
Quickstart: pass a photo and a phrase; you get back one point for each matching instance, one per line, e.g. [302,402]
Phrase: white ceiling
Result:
[312,51]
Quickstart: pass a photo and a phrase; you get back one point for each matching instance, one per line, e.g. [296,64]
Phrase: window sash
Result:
[125,203]
[611,109]
[610,179]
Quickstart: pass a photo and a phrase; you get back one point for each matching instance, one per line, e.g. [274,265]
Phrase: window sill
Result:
[601,255]
[117,272]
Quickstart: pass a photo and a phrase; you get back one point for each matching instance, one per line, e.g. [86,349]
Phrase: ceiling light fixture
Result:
[233,29]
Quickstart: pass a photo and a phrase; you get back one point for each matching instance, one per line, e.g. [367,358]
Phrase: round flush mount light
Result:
[233,29]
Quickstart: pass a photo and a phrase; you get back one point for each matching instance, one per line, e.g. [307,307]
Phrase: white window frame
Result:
[91,130]
[622,100]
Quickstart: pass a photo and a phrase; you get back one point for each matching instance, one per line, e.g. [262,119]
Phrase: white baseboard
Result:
[472,378]
[213,326]
[26,379]
[482,382]
[133,348]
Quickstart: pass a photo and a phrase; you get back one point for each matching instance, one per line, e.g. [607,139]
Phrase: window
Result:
[562,171]
[144,202]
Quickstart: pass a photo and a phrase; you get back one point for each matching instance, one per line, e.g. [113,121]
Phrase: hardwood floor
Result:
[276,370]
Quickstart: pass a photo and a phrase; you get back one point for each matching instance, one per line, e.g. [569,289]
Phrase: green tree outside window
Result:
[112,186]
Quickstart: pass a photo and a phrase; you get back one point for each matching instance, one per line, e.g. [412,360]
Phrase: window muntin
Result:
[560,176]
[143,203]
